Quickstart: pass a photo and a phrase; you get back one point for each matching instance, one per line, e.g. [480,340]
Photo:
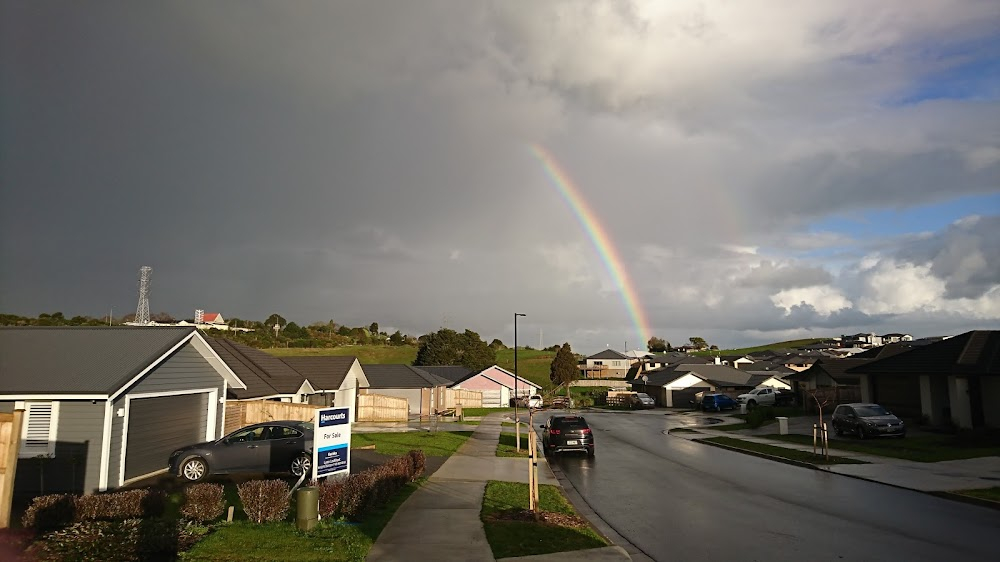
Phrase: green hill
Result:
[531,365]
[790,344]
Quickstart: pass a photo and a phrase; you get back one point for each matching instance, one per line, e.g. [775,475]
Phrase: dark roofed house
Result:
[266,376]
[954,381]
[607,364]
[336,381]
[454,373]
[106,405]
[420,388]
[676,386]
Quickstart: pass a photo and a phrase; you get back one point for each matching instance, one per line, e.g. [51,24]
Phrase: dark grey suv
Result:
[867,420]
[567,433]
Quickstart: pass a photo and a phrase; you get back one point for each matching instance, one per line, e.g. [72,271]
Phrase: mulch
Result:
[543,517]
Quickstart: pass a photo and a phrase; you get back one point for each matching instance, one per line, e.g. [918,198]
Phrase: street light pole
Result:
[517,424]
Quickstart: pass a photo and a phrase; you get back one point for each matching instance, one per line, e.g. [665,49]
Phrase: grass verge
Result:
[476,412]
[508,443]
[560,529]
[331,540]
[917,448]
[775,451]
[434,444]
[991,494]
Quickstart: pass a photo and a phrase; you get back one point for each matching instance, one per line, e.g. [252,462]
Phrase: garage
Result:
[684,397]
[157,426]
[900,394]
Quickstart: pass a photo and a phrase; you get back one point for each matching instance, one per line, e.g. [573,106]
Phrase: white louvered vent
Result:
[39,435]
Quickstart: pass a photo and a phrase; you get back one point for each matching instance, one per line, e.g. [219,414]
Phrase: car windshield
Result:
[870,410]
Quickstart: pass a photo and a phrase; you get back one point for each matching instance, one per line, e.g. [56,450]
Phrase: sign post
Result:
[331,442]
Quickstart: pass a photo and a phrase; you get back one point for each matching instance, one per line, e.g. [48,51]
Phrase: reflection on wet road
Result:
[679,500]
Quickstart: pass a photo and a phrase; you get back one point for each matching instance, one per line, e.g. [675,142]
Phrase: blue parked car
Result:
[718,402]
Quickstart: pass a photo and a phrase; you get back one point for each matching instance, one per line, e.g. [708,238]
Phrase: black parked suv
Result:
[867,420]
[567,433]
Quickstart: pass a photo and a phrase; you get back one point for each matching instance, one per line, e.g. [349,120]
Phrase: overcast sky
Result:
[765,170]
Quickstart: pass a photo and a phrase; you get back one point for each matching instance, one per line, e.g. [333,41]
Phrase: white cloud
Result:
[825,299]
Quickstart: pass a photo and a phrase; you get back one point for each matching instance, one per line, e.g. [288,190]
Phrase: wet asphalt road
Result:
[678,500]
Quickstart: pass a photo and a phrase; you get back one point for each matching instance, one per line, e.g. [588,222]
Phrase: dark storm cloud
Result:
[370,162]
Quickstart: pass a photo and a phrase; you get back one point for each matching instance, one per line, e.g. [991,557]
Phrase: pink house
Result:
[497,386]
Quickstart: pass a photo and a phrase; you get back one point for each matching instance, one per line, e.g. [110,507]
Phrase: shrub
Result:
[419,461]
[330,492]
[354,499]
[120,505]
[759,415]
[50,512]
[203,502]
[264,500]
[116,541]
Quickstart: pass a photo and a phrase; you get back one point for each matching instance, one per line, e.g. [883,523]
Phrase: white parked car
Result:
[763,396]
[535,401]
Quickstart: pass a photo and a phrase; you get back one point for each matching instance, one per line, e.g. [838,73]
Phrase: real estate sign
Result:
[332,442]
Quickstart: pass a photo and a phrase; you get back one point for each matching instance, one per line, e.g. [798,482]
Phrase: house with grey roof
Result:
[105,406]
[607,364]
[676,386]
[421,389]
[954,381]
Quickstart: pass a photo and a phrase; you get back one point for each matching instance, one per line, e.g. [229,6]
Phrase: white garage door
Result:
[492,399]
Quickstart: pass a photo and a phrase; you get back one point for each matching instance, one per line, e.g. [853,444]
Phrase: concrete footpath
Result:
[944,476]
[440,521]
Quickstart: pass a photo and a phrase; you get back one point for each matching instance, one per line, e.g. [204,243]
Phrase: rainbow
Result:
[598,235]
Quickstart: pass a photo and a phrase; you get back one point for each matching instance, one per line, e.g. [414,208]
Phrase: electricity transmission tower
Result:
[142,311]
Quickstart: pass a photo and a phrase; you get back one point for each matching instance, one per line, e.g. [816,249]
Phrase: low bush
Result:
[330,492]
[354,499]
[120,505]
[759,415]
[419,461]
[47,513]
[264,500]
[118,541]
[203,502]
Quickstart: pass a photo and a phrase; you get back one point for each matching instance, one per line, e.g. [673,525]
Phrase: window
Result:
[282,432]
[38,434]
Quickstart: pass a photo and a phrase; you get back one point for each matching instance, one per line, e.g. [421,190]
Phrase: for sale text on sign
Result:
[332,442]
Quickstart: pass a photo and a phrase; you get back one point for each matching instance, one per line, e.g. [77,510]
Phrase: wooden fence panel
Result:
[10,441]
[378,408]
[240,414]
[467,398]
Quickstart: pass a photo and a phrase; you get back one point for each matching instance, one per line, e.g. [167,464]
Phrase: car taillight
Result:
[554,432]
[586,430]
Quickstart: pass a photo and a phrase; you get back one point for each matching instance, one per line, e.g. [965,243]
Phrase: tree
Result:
[373,328]
[295,332]
[274,319]
[657,345]
[563,368]
[397,338]
[699,343]
[448,347]
[497,344]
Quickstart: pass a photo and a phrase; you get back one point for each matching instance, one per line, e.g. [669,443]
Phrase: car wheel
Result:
[590,452]
[194,469]
[302,464]
[861,433]
[836,430]
[751,404]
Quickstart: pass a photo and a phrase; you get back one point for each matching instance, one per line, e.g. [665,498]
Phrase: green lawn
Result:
[366,354]
[434,444]
[919,448]
[782,452]
[992,494]
[508,442]
[331,540]
[525,538]
[478,412]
